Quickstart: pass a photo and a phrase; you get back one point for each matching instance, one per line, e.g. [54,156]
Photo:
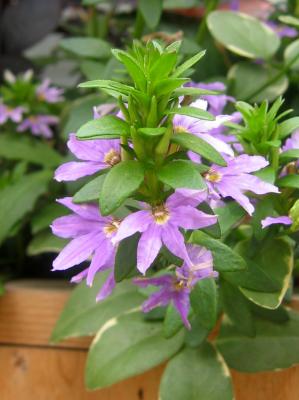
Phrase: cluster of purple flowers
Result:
[160,225]
[40,124]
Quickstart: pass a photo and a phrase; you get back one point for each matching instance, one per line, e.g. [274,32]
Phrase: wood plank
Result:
[29,310]
[58,374]
[32,370]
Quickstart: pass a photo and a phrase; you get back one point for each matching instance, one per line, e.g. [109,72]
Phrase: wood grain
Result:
[30,369]
[29,310]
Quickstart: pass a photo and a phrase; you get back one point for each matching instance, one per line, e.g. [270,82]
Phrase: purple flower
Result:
[176,287]
[234,5]
[216,102]
[103,109]
[91,236]
[49,94]
[95,155]
[235,179]
[39,125]
[285,220]
[292,142]
[282,30]
[160,225]
[14,114]
[200,128]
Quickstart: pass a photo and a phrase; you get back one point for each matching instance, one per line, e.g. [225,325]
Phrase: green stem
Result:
[210,5]
[139,25]
[274,79]
[92,24]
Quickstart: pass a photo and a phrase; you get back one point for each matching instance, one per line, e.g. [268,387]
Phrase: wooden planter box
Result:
[31,369]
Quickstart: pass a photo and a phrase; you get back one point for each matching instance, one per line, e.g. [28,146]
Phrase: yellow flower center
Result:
[160,214]
[111,227]
[213,176]
[112,157]
[180,129]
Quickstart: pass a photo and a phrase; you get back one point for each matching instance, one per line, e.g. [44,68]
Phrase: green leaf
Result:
[113,88]
[135,346]
[83,316]
[196,374]
[86,47]
[166,86]
[45,216]
[274,347]
[289,155]
[92,69]
[294,215]
[189,91]
[181,174]
[237,308]
[19,147]
[197,334]
[133,68]
[288,126]
[150,132]
[211,230]
[107,127]
[289,20]
[255,277]
[256,77]
[289,181]
[45,242]
[19,198]
[192,112]
[126,258]
[79,112]
[151,11]
[188,64]
[163,66]
[243,34]
[172,322]
[121,181]
[275,258]
[204,302]
[229,216]
[224,258]
[291,55]
[199,146]
[90,191]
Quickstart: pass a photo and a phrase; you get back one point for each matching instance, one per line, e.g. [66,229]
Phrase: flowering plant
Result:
[199,210]
[29,111]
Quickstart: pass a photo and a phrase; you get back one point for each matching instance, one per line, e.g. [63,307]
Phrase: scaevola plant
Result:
[143,153]
[184,201]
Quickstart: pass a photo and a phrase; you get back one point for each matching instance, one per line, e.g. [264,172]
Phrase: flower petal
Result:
[148,248]
[158,299]
[174,241]
[252,183]
[100,258]
[71,226]
[79,277]
[87,211]
[244,164]
[186,197]
[136,222]
[190,218]
[218,144]
[228,189]
[74,170]
[77,251]
[107,288]
[285,220]
[181,302]
[156,281]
